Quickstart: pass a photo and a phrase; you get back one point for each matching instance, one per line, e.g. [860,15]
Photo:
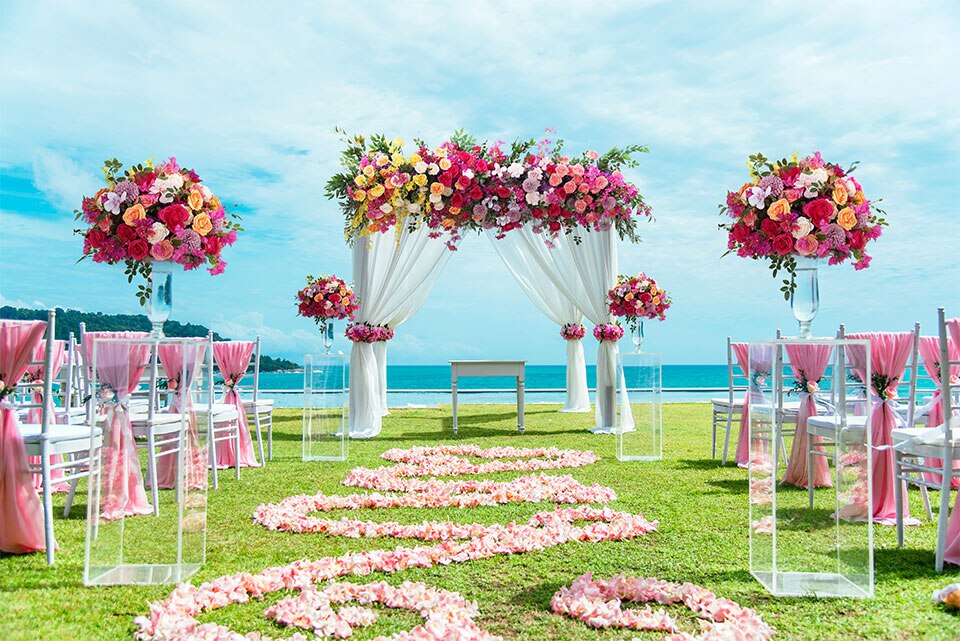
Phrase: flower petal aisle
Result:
[446,615]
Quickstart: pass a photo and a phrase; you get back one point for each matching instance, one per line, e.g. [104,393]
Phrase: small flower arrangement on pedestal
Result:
[636,298]
[326,299]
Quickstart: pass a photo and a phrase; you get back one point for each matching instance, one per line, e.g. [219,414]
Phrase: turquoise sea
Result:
[429,385]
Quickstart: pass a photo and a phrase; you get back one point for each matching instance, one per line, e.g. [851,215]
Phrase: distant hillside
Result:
[68,320]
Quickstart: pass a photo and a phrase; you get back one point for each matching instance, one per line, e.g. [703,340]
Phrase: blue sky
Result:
[249,95]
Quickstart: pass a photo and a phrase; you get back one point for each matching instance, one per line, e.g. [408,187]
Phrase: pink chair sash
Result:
[763,360]
[119,367]
[930,354]
[952,550]
[21,514]
[233,359]
[889,354]
[808,362]
[171,358]
[35,416]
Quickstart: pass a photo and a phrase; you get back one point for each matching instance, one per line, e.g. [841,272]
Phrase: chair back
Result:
[23,389]
[256,367]
[949,330]
[737,379]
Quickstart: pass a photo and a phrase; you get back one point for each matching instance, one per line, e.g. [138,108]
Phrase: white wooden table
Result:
[488,368]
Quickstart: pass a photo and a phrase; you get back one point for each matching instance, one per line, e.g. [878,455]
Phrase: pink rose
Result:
[138,249]
[592,155]
[807,245]
[783,244]
[162,250]
[174,216]
[820,211]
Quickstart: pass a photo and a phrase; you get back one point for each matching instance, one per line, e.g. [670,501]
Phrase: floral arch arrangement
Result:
[465,185]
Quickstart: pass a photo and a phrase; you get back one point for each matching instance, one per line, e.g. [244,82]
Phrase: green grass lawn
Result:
[702,538]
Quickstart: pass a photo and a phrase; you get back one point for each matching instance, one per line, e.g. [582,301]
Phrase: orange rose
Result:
[436,188]
[213,203]
[195,199]
[134,213]
[448,222]
[847,218]
[202,224]
[840,195]
[779,209]
[858,198]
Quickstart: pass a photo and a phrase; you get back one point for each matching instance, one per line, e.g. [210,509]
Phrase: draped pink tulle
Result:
[763,360]
[119,367]
[930,354]
[21,514]
[808,362]
[233,359]
[171,358]
[889,354]
[35,415]
[952,549]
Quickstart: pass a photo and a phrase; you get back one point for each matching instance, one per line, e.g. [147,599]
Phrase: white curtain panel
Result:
[530,272]
[393,273]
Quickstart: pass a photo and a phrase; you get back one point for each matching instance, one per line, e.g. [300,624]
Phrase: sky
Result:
[248,94]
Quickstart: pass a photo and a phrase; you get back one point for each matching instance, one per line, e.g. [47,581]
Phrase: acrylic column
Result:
[324,407]
[638,421]
[817,543]
[130,539]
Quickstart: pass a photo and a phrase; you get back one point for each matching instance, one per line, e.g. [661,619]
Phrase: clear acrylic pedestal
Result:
[130,539]
[638,423]
[324,407]
[805,543]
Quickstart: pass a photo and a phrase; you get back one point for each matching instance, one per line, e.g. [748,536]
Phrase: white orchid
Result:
[758,196]
[111,202]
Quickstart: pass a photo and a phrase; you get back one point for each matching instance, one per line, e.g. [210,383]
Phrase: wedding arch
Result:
[554,220]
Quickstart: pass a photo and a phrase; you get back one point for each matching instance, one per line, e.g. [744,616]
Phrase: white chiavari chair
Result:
[727,408]
[261,409]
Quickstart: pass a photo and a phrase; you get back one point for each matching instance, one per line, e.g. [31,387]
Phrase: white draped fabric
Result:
[584,272]
[534,279]
[393,274]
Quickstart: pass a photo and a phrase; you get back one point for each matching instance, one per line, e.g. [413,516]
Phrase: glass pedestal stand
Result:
[817,543]
[638,421]
[324,407]
[168,543]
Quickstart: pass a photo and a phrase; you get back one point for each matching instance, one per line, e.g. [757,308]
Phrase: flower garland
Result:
[611,332]
[325,299]
[637,297]
[573,331]
[808,208]
[598,604]
[368,333]
[155,213]
[174,618]
[464,185]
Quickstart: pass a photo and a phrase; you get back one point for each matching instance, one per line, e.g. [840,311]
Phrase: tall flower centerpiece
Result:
[464,185]
[152,218]
[796,213]
[326,299]
[636,298]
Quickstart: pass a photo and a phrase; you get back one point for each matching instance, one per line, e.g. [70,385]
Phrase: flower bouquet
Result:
[368,333]
[150,214]
[573,331]
[637,297]
[611,332]
[795,208]
[466,185]
[325,299]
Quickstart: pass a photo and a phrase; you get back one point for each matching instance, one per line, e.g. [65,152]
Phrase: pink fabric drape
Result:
[952,546]
[930,354]
[808,363]
[180,380]
[889,354]
[119,367]
[21,514]
[35,416]
[233,359]
[763,360]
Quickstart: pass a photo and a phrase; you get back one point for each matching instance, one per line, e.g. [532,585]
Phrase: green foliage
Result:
[68,321]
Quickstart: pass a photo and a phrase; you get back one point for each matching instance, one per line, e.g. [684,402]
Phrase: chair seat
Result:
[927,441]
[725,402]
[828,426]
[159,418]
[222,413]
[61,439]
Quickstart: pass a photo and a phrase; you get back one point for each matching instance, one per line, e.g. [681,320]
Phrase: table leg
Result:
[454,386]
[520,404]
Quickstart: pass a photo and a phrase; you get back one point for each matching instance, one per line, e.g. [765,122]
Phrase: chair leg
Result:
[926,502]
[152,471]
[942,518]
[810,475]
[47,505]
[236,442]
[270,436]
[713,442]
[726,438]
[256,420]
[213,457]
[70,494]
[898,495]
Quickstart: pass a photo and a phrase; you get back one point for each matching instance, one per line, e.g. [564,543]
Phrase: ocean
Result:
[429,385]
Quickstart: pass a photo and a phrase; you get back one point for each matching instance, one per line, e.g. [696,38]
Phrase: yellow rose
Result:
[397,142]
[382,160]
[656,300]
[397,158]
[445,164]
[213,203]
[195,199]
[847,218]
[134,213]
[368,171]
[840,195]
[420,180]
[415,158]
[360,181]
[779,209]
[376,191]
[858,198]
[436,188]
[202,224]
[359,195]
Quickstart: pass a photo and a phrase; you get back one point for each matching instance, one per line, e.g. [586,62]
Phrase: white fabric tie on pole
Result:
[393,273]
[532,276]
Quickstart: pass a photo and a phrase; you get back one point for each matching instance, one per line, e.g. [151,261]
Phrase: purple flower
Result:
[190,240]
[127,190]
[835,234]
[773,183]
